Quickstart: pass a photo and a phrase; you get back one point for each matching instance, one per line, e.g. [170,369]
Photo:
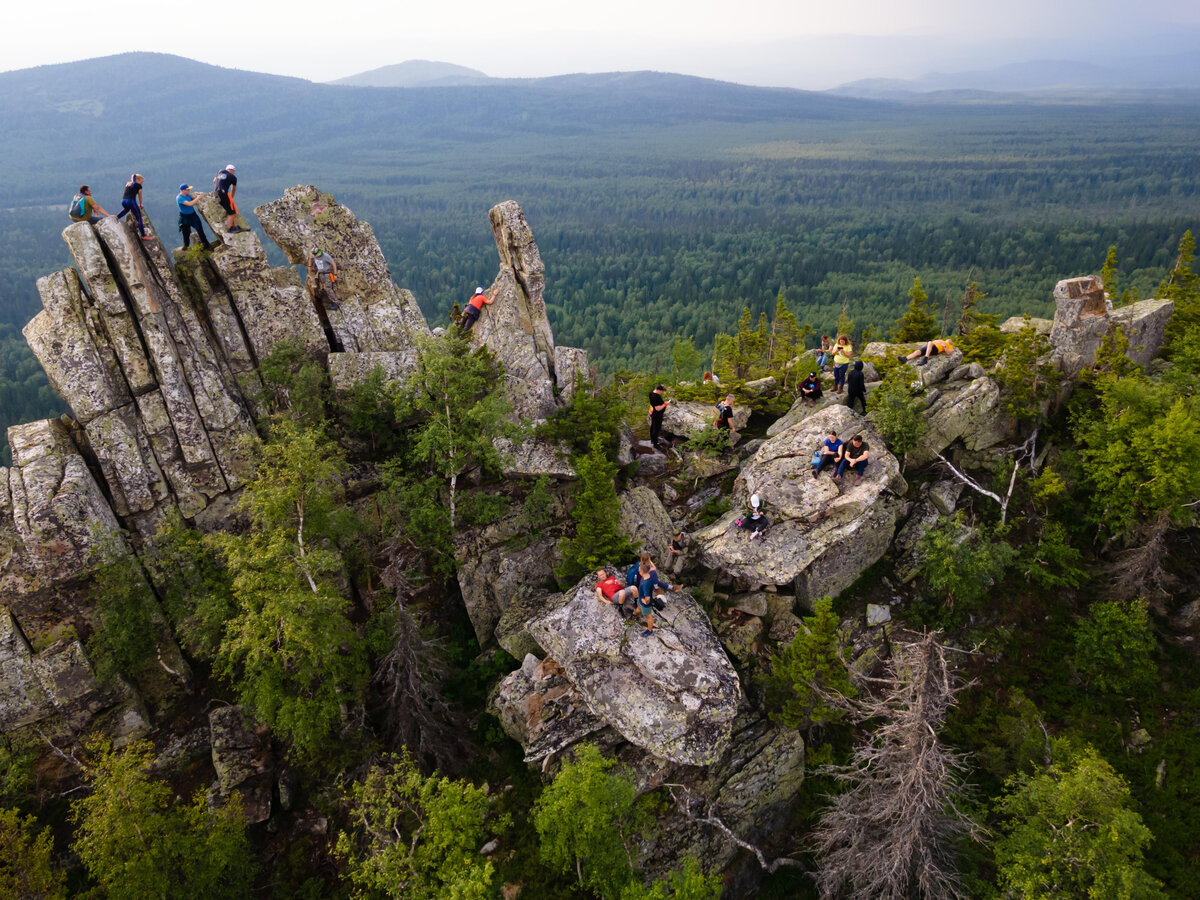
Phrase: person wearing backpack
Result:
[189,219]
[131,202]
[83,208]
[225,187]
[724,420]
[856,386]
[322,276]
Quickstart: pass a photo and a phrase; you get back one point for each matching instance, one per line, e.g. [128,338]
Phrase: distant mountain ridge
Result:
[416,73]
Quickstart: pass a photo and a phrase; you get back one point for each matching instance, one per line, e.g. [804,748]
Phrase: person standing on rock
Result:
[131,202]
[658,408]
[189,219]
[854,456]
[322,276]
[842,352]
[612,590]
[676,551]
[225,187]
[856,384]
[474,308]
[86,207]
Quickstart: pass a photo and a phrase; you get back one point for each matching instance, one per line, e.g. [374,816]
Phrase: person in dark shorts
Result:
[189,219]
[856,387]
[131,202]
[225,188]
[754,521]
[474,308]
[931,348]
[612,590]
[658,408]
[89,207]
[854,456]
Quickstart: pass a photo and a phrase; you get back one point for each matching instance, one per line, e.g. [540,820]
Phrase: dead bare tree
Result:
[891,834]
[1028,450]
[704,812]
[1138,571]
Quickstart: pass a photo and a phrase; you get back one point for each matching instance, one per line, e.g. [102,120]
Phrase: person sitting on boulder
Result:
[724,420]
[474,308]
[854,456]
[830,451]
[810,389]
[648,586]
[612,590]
[825,353]
[84,208]
[856,387]
[754,520]
[639,572]
[932,348]
[322,276]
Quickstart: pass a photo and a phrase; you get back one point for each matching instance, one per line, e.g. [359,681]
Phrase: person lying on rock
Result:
[856,387]
[474,308]
[932,348]
[810,389]
[854,456]
[754,521]
[830,453]
[322,276]
[612,590]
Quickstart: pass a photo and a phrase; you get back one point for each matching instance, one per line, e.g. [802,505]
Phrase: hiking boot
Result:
[329,304]
[648,632]
[922,360]
[235,229]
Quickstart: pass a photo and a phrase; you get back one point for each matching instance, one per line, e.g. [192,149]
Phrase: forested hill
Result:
[663,203]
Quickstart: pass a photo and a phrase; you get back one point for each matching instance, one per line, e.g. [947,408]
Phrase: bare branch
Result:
[699,809]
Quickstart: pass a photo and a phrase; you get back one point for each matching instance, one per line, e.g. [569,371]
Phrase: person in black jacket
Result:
[856,385]
[658,409]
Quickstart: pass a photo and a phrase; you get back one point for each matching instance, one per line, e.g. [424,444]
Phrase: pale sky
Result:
[794,43]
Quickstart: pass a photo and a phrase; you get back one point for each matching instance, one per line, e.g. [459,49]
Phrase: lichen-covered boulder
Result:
[822,535]
[241,756]
[969,411]
[348,369]
[540,709]
[1017,324]
[673,693]
[687,417]
[1080,327]
[532,457]
[645,522]
[570,370]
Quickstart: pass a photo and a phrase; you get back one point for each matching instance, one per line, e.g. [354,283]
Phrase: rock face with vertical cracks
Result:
[673,692]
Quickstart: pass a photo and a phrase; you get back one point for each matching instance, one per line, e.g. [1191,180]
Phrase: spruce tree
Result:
[917,324]
[1108,274]
[597,541]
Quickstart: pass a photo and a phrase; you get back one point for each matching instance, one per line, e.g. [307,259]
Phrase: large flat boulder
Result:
[540,709]
[673,693]
[644,521]
[1081,321]
[967,411]
[687,417]
[822,536]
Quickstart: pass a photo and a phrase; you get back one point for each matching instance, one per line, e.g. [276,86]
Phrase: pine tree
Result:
[787,339]
[969,317]
[597,541]
[918,323]
[1108,275]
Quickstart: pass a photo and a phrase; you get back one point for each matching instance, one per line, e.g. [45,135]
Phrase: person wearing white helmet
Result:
[474,308]
[225,187]
[754,521]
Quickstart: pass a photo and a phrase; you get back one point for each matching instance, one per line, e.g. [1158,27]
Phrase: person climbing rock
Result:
[322,276]
[189,219]
[474,308]
[755,521]
[829,453]
[676,552]
[658,408]
[810,389]
[856,385]
[83,208]
[855,455]
[225,187]
[724,420]
[612,590]
[932,348]
[131,202]
[842,352]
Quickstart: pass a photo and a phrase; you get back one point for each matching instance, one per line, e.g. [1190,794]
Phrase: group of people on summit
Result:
[641,588]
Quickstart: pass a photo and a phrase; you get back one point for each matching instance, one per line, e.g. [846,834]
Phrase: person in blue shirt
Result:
[831,450]
[189,219]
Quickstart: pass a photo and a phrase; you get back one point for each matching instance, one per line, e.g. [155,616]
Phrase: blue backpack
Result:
[77,207]
[631,576]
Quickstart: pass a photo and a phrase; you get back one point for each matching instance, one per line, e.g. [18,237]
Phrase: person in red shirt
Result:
[474,308]
[612,590]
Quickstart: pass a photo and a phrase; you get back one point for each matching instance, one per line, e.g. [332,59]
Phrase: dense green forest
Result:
[662,204]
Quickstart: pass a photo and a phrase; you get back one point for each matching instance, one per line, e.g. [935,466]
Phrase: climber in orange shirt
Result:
[474,308]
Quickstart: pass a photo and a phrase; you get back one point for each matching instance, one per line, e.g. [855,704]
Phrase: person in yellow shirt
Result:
[842,351]
[932,348]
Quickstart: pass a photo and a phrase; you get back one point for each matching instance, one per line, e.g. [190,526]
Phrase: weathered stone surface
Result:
[1016,324]
[754,604]
[241,756]
[271,304]
[514,326]
[570,370]
[127,462]
[967,372]
[801,411]
[760,386]
[1187,617]
[905,549]
[374,314]
[877,615]
[645,522]
[348,369]
[944,495]
[540,709]
[59,513]
[58,685]
[740,637]
[673,693]
[156,422]
[685,417]
[937,368]
[532,458]
[782,619]
[890,350]
[967,411]
[821,536]
[1078,333]
[85,373]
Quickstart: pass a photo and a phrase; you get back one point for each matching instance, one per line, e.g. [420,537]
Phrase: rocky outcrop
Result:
[241,756]
[673,693]
[967,411]
[1017,324]
[540,709]
[1081,322]
[822,535]
[685,417]
[646,523]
